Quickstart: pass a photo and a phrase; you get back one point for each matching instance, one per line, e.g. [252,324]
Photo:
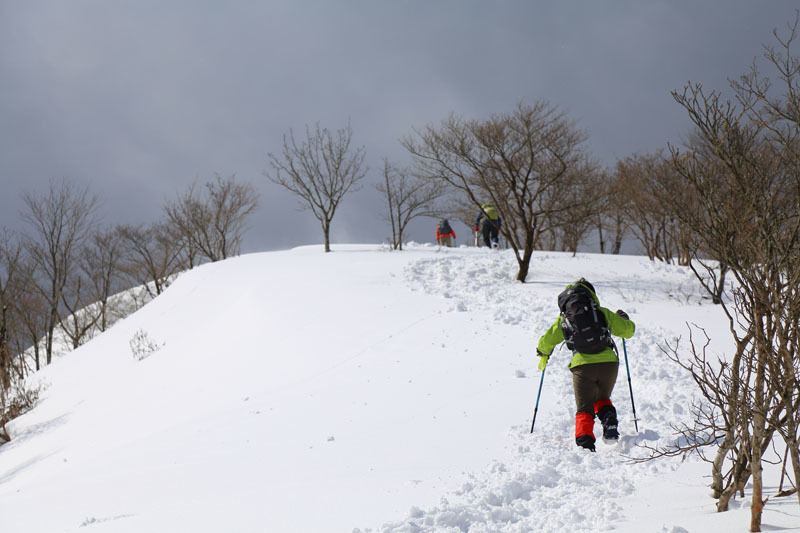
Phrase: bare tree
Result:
[407,198]
[101,265]
[10,253]
[520,162]
[321,170]
[79,316]
[650,183]
[60,222]
[213,225]
[31,311]
[86,298]
[612,221]
[152,256]
[572,226]
[16,397]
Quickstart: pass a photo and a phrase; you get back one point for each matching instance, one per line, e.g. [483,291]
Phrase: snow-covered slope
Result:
[362,389]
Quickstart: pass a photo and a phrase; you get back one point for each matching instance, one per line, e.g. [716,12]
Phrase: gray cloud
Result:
[141,98]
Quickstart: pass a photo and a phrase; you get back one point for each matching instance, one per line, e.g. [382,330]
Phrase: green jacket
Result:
[618,326]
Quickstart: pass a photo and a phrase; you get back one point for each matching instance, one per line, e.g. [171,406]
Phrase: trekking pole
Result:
[541,381]
[630,387]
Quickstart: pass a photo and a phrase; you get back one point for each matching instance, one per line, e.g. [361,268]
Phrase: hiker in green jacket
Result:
[489,223]
[587,327]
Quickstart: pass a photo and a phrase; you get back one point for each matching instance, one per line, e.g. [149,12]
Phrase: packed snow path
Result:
[548,484]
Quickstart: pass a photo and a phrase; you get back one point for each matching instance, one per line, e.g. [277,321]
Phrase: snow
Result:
[365,390]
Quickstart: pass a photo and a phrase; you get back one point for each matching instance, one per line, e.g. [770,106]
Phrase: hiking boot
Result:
[585,441]
[610,433]
[608,417]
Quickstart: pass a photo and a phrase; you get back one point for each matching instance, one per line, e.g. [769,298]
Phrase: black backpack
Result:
[584,324]
[444,227]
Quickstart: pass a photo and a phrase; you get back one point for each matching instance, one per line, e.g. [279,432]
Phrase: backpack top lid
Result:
[588,285]
[584,325]
[444,226]
[577,293]
[490,211]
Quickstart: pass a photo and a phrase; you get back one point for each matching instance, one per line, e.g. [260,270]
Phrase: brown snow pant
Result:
[592,383]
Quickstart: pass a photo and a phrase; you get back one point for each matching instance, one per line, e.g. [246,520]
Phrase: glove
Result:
[623,314]
[542,359]
[475,228]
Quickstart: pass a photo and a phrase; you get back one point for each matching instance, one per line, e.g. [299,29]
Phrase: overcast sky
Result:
[140,98]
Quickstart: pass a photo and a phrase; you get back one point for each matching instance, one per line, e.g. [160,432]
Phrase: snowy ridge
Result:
[364,390]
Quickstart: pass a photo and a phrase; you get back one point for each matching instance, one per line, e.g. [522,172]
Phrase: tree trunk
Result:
[36,355]
[717,484]
[757,441]
[326,231]
[524,263]
[601,238]
[49,335]
[794,453]
[739,477]
[757,505]
[720,288]
[5,353]
[523,272]
[730,436]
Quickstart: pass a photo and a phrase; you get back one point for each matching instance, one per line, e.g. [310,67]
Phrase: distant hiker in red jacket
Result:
[444,232]
[587,327]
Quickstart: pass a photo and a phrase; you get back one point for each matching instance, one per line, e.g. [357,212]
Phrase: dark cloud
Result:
[139,99]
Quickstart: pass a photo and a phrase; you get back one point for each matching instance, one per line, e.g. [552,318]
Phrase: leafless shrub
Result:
[741,168]
[18,402]
[143,346]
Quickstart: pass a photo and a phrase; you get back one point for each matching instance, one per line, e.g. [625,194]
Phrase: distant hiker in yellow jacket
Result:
[489,223]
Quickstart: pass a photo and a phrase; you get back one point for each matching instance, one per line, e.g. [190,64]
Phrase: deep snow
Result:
[365,390]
